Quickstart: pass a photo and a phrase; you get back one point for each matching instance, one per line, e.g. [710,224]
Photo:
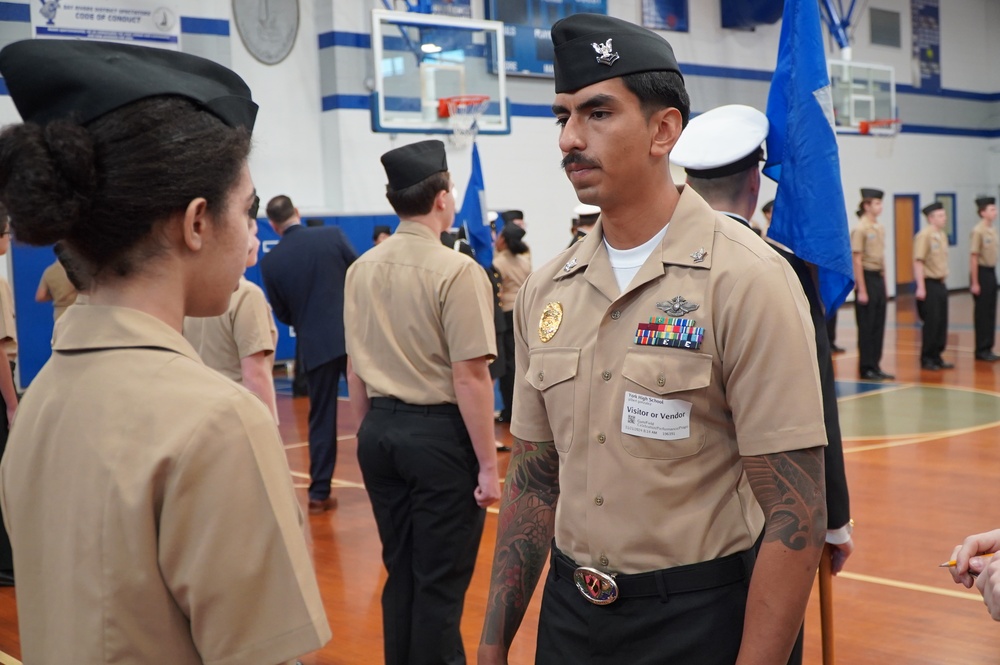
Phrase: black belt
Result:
[395,405]
[872,272]
[680,579]
[936,280]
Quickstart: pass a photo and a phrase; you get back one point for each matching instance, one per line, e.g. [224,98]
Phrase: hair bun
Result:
[47,179]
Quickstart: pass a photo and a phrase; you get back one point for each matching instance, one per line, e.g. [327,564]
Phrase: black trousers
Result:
[420,471]
[933,311]
[871,323]
[6,555]
[831,328]
[985,310]
[699,627]
[507,377]
[323,382]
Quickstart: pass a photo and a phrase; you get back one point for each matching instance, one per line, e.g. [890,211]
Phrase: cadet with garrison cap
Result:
[586,217]
[650,376]
[983,286]
[930,268]
[149,499]
[420,385]
[868,252]
[721,152]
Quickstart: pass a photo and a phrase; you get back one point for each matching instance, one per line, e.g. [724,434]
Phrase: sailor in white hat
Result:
[584,218]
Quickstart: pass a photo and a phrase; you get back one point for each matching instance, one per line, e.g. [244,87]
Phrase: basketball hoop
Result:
[880,127]
[462,112]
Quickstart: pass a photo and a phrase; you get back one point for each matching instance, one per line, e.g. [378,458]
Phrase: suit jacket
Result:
[304,279]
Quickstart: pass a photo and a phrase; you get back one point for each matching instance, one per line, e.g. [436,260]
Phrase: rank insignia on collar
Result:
[699,256]
[552,317]
[570,265]
[677,306]
[604,54]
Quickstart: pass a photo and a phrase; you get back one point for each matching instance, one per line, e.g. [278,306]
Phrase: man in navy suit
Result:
[304,280]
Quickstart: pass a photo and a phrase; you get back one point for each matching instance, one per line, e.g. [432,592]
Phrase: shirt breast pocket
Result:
[552,372]
[666,375]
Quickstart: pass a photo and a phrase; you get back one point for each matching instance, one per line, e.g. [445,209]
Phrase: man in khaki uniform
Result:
[868,251]
[930,268]
[982,269]
[56,287]
[652,403]
[420,336]
[8,391]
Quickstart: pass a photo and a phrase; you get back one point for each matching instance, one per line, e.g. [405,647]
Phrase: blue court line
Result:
[850,388]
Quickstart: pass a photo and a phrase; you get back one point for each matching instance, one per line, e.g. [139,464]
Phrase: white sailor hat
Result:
[491,216]
[721,142]
[586,209]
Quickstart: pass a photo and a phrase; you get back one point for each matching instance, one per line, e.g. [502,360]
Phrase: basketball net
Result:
[463,112]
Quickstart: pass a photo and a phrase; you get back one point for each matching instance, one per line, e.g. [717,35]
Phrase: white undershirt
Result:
[626,262]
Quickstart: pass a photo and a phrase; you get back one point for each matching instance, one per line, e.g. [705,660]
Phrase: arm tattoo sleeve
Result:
[524,537]
[789,487]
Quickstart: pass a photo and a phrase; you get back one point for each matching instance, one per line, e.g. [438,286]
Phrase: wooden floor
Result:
[923,458]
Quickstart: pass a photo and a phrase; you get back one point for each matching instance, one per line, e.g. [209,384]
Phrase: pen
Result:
[949,564]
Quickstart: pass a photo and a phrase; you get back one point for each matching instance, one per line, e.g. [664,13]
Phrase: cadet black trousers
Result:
[933,311]
[323,384]
[985,310]
[871,323]
[421,471]
[6,555]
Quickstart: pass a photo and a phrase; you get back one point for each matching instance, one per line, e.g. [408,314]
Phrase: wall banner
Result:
[122,21]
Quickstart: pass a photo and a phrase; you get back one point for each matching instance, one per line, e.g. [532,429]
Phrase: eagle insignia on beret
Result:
[605,55]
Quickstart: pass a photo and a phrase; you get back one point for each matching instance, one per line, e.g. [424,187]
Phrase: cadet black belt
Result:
[936,280]
[680,579]
[395,405]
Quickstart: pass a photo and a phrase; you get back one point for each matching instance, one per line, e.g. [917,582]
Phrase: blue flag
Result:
[473,214]
[809,213]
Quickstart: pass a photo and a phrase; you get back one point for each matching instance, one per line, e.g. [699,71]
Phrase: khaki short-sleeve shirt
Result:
[151,509]
[8,328]
[513,269]
[649,437]
[868,240]
[412,307]
[59,287]
[985,241]
[930,247]
[246,328]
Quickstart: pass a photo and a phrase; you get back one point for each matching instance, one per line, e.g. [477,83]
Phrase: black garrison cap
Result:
[868,193]
[408,165]
[590,48]
[983,201]
[509,216]
[928,209]
[379,230]
[83,80]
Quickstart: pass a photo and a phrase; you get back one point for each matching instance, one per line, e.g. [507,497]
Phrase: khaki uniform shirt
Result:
[650,438]
[59,287]
[246,328]
[8,329]
[868,239]
[412,307]
[151,508]
[513,269]
[985,241]
[930,247]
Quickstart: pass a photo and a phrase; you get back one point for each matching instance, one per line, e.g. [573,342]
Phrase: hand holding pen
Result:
[973,563]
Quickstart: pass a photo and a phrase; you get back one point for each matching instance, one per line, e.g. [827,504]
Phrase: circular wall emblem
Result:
[267,27]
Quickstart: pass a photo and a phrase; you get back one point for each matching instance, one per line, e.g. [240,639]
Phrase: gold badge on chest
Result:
[551,319]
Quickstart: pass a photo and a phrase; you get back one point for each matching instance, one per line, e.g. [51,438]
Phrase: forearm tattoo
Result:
[524,536]
[789,488]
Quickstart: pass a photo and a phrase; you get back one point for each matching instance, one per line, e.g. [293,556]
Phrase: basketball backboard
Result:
[421,59]
[862,92]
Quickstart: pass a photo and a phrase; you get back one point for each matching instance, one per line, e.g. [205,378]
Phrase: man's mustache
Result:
[578,158]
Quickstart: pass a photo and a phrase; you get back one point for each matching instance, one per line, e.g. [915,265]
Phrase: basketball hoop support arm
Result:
[837,21]
[420,6]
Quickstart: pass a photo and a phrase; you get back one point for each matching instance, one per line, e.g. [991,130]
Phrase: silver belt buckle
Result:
[597,587]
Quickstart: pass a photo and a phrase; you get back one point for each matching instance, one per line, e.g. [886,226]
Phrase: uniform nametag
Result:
[655,418]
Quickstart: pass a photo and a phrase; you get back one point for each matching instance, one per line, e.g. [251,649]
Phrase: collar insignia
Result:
[604,54]
[698,256]
[677,306]
[570,265]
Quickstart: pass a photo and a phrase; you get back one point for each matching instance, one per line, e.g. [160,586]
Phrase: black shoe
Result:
[6,578]
[871,375]
[884,376]
[837,349]
[943,365]
[929,365]
[989,357]
[503,417]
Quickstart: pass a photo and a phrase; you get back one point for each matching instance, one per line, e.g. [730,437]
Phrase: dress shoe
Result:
[885,376]
[6,578]
[929,365]
[837,349]
[989,357]
[318,507]
[502,448]
[871,375]
[943,365]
